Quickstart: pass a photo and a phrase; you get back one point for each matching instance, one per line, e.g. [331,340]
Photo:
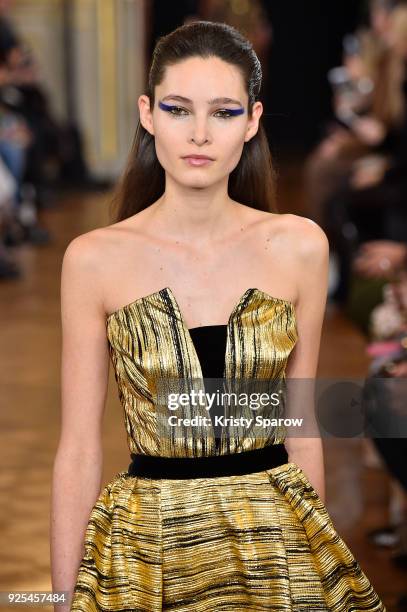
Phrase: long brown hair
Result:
[252,182]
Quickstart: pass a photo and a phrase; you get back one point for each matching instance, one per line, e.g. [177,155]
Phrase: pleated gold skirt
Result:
[260,541]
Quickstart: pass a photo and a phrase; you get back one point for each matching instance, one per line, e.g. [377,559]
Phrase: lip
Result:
[197,160]
[198,156]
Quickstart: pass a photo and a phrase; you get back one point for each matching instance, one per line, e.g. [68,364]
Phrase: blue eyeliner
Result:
[235,111]
[232,112]
[166,107]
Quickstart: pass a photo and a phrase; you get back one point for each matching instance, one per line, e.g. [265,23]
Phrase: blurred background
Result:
[334,96]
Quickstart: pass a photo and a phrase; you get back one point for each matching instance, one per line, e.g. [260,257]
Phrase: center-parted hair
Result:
[252,182]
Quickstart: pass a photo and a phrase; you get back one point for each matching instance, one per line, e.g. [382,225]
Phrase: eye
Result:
[225,114]
[177,110]
[172,109]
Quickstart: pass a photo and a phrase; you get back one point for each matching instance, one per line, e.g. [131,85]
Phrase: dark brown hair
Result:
[252,182]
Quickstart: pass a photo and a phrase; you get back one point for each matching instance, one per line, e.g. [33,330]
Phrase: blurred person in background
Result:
[250,18]
[16,143]
[40,152]
[386,385]
[377,257]
[333,157]
[369,203]
[380,16]
[17,140]
[8,266]
[55,158]
[14,139]
[10,43]
[367,84]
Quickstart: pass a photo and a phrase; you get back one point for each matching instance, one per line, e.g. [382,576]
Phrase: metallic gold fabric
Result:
[261,541]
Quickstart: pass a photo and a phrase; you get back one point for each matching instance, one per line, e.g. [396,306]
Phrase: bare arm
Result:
[78,462]
[313,255]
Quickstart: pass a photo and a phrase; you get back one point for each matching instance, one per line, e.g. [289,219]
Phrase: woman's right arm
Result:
[77,471]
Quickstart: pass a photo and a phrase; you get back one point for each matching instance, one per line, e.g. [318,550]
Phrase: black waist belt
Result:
[256,460]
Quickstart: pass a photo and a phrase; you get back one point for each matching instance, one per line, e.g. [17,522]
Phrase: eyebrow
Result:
[213,101]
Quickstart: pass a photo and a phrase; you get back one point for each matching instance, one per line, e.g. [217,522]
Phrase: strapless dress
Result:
[255,541]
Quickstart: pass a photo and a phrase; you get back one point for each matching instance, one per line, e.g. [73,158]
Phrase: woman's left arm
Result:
[304,447]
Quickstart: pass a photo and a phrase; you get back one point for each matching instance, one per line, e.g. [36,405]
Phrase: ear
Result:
[253,122]
[146,116]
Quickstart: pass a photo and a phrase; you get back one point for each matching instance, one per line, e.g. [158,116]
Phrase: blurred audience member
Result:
[8,188]
[16,139]
[369,202]
[368,102]
[380,15]
[248,17]
[37,152]
[386,386]
[379,257]
[10,43]
[354,87]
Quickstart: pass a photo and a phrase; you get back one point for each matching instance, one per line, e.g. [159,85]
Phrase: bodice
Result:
[153,351]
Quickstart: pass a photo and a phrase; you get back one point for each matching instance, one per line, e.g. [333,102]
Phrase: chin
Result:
[196,182]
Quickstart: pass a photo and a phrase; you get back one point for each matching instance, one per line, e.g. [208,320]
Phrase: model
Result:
[198,278]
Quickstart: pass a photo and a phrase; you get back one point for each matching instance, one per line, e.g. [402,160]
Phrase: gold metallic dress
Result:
[258,541]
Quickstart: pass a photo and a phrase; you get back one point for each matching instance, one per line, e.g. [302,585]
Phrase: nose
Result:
[199,131]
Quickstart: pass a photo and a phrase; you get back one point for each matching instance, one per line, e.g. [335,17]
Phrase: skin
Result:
[6,6]
[195,239]
[380,21]
[371,253]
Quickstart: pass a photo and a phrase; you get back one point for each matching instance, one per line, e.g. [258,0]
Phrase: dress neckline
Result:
[166,295]
[220,326]
[167,291]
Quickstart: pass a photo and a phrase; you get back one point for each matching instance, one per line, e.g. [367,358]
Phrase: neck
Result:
[197,215]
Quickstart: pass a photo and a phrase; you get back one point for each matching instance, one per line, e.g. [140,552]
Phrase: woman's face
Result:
[379,19]
[187,119]
[397,35]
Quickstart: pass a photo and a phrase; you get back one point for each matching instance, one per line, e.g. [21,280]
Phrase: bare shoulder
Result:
[308,240]
[94,261]
[298,248]
[292,234]
[310,248]
[94,249]
[85,254]
[86,257]
[80,273]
